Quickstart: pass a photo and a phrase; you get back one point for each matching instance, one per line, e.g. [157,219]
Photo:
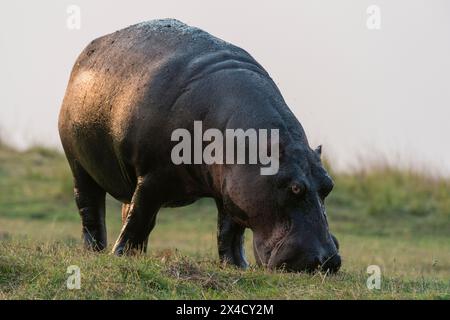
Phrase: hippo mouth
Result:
[272,262]
[277,247]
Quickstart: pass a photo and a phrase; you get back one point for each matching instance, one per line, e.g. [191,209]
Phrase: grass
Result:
[39,271]
[396,219]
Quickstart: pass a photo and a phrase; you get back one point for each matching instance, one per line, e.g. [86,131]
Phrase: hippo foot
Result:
[128,248]
[233,259]
[94,241]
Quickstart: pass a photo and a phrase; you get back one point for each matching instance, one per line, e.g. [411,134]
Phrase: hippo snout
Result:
[294,257]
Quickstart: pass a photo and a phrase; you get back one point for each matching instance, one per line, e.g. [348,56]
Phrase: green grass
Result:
[396,219]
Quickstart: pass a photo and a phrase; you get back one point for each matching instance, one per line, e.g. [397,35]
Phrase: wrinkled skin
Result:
[129,90]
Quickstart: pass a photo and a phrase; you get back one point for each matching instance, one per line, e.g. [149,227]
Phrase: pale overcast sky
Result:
[361,93]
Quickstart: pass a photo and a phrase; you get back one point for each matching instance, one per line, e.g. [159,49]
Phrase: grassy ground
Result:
[395,219]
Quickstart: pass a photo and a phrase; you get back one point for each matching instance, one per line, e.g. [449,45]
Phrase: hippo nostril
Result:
[335,240]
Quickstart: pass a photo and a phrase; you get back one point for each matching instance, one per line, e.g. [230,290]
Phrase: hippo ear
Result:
[319,150]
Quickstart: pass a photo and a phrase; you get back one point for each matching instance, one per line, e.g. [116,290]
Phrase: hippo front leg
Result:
[125,211]
[230,239]
[139,219]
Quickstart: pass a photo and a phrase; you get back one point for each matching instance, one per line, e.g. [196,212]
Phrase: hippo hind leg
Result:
[90,199]
[139,219]
[230,239]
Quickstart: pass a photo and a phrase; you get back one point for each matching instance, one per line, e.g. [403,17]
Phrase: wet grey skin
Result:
[129,90]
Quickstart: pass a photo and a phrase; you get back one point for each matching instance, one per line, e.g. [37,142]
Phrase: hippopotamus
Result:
[127,93]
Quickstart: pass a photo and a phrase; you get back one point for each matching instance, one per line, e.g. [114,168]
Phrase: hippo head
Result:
[286,211]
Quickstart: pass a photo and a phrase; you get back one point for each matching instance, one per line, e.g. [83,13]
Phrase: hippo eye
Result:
[297,188]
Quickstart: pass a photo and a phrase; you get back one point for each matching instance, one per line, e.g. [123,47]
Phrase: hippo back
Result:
[130,77]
